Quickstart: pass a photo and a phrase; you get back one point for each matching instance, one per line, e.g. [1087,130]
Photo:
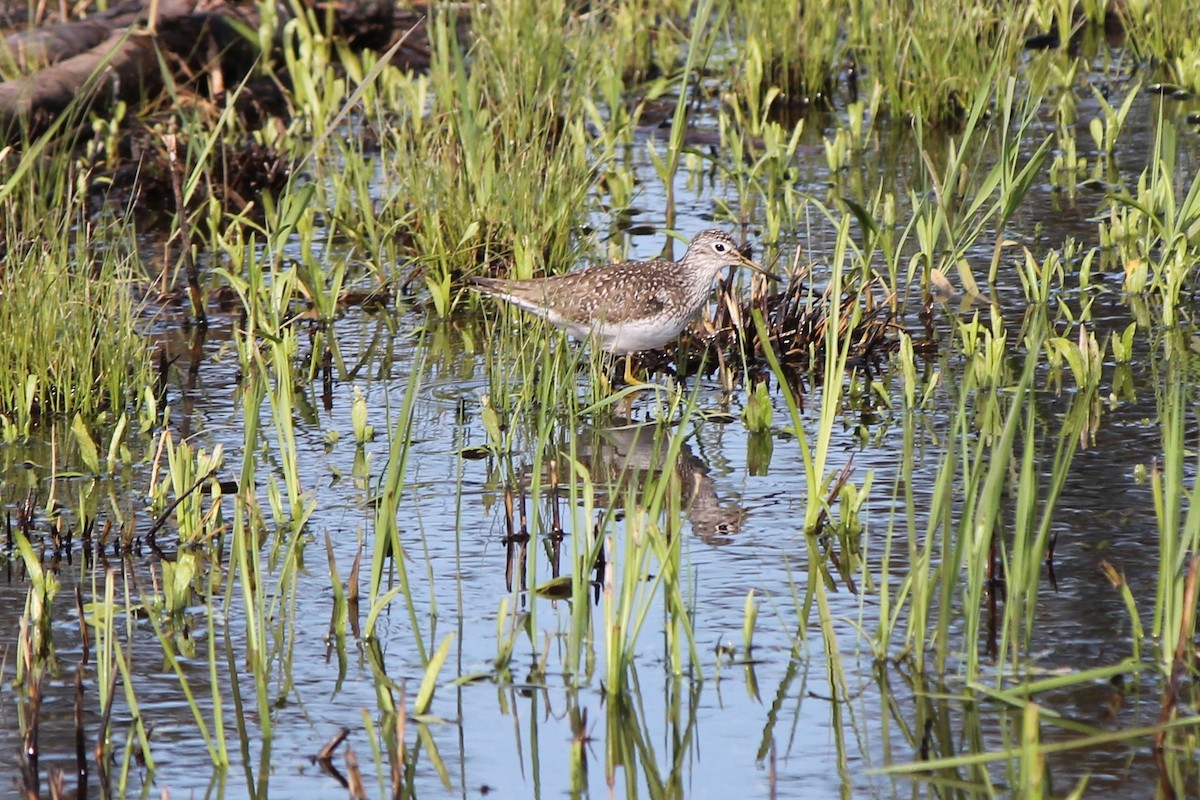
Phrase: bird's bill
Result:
[746,262]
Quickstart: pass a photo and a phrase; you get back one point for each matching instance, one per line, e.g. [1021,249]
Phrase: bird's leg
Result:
[629,378]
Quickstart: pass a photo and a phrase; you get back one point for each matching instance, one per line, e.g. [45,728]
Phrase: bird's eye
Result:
[719,247]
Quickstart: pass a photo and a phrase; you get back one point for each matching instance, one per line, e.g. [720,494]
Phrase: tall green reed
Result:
[817,451]
[387,555]
[1178,519]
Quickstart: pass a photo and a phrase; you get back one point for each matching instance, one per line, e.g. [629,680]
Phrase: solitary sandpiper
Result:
[629,306]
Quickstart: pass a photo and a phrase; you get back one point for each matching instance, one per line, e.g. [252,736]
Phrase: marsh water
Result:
[734,726]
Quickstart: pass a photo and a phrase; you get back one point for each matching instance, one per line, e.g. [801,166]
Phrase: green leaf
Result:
[749,621]
[758,413]
[114,445]
[865,220]
[376,608]
[177,581]
[435,757]
[363,431]
[429,682]
[491,424]
[87,447]
[559,588]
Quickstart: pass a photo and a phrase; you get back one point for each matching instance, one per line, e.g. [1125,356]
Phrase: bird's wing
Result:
[620,292]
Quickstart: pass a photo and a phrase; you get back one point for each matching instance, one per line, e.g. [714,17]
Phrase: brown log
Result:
[115,67]
[116,64]
[111,56]
[39,47]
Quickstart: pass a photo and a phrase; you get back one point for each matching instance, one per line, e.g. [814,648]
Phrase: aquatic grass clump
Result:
[494,174]
[1167,34]
[646,36]
[646,565]
[760,163]
[189,480]
[994,562]
[926,60]
[70,322]
[1154,233]
[789,51]
[934,58]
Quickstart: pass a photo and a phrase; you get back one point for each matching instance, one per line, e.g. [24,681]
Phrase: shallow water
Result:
[734,730]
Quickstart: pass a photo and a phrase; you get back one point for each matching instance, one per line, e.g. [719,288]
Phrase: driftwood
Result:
[121,54]
[38,47]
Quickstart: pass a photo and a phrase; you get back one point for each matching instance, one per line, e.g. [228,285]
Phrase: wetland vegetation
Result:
[290,511]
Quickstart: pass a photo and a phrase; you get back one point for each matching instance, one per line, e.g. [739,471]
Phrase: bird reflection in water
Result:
[625,462]
[623,453]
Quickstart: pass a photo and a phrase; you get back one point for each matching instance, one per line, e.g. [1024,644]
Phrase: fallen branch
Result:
[92,63]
